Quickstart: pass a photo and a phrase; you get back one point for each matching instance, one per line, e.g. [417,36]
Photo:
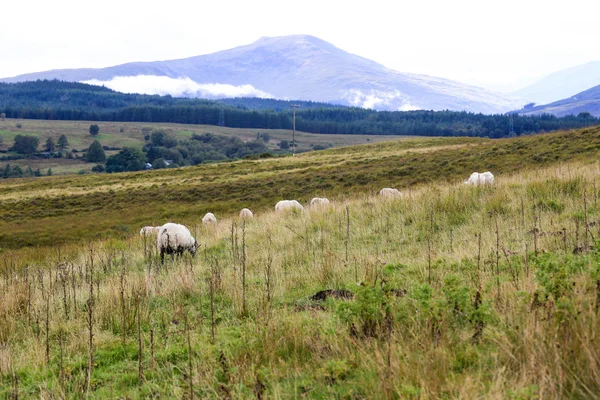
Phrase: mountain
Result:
[586,101]
[290,67]
[562,84]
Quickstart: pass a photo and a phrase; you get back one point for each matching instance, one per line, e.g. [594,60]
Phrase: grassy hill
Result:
[129,134]
[73,208]
[454,291]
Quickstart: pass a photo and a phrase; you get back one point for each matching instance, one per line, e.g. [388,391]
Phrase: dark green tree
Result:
[49,173]
[94,129]
[159,163]
[50,146]
[6,172]
[128,159]
[25,144]
[284,145]
[37,172]
[63,142]
[16,172]
[95,153]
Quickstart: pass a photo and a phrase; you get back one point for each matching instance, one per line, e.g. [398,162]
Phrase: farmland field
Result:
[129,134]
[450,292]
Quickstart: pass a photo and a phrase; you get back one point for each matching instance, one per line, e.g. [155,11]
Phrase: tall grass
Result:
[450,300]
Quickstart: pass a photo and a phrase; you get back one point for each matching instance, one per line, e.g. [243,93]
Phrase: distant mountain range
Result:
[586,101]
[290,67]
[562,84]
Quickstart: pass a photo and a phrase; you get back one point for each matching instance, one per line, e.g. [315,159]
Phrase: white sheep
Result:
[209,218]
[390,193]
[319,202]
[175,239]
[246,213]
[149,230]
[476,178]
[284,205]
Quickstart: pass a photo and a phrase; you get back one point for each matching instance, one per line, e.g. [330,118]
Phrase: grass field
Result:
[455,291]
[110,135]
[41,212]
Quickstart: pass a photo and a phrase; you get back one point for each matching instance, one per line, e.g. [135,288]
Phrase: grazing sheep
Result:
[175,239]
[476,178]
[390,193]
[246,213]
[319,201]
[149,230]
[209,218]
[284,205]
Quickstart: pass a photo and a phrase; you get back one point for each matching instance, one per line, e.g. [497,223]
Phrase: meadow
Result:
[450,292]
[129,134]
[61,210]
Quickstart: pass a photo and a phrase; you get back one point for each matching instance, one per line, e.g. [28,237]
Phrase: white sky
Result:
[490,43]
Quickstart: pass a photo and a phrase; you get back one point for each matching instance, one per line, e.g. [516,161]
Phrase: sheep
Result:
[209,218]
[246,213]
[319,201]
[175,239]
[284,205]
[476,178]
[390,193]
[149,230]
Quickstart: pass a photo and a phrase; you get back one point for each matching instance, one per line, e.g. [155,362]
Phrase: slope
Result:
[587,101]
[562,84]
[52,210]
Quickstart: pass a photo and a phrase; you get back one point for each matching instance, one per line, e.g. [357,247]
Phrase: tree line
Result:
[56,100]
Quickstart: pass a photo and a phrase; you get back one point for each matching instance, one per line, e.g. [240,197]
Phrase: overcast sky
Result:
[484,42]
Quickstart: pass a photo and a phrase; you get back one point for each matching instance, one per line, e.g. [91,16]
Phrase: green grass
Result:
[47,211]
[110,135]
[434,314]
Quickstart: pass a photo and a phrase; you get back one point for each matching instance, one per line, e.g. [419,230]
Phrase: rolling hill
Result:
[562,84]
[290,67]
[587,101]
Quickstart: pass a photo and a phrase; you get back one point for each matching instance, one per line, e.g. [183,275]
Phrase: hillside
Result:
[52,210]
[562,84]
[450,292]
[587,101]
[290,67]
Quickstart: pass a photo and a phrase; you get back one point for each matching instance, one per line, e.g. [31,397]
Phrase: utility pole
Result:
[294,128]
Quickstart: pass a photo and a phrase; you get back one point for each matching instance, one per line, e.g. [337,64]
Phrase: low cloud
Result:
[178,87]
[380,100]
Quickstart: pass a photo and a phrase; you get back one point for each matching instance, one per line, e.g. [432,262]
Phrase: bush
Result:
[98,168]
[284,145]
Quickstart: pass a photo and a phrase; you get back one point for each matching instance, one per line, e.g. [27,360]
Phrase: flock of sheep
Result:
[175,239]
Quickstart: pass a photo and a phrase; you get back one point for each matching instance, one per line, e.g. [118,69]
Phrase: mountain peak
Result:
[301,67]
